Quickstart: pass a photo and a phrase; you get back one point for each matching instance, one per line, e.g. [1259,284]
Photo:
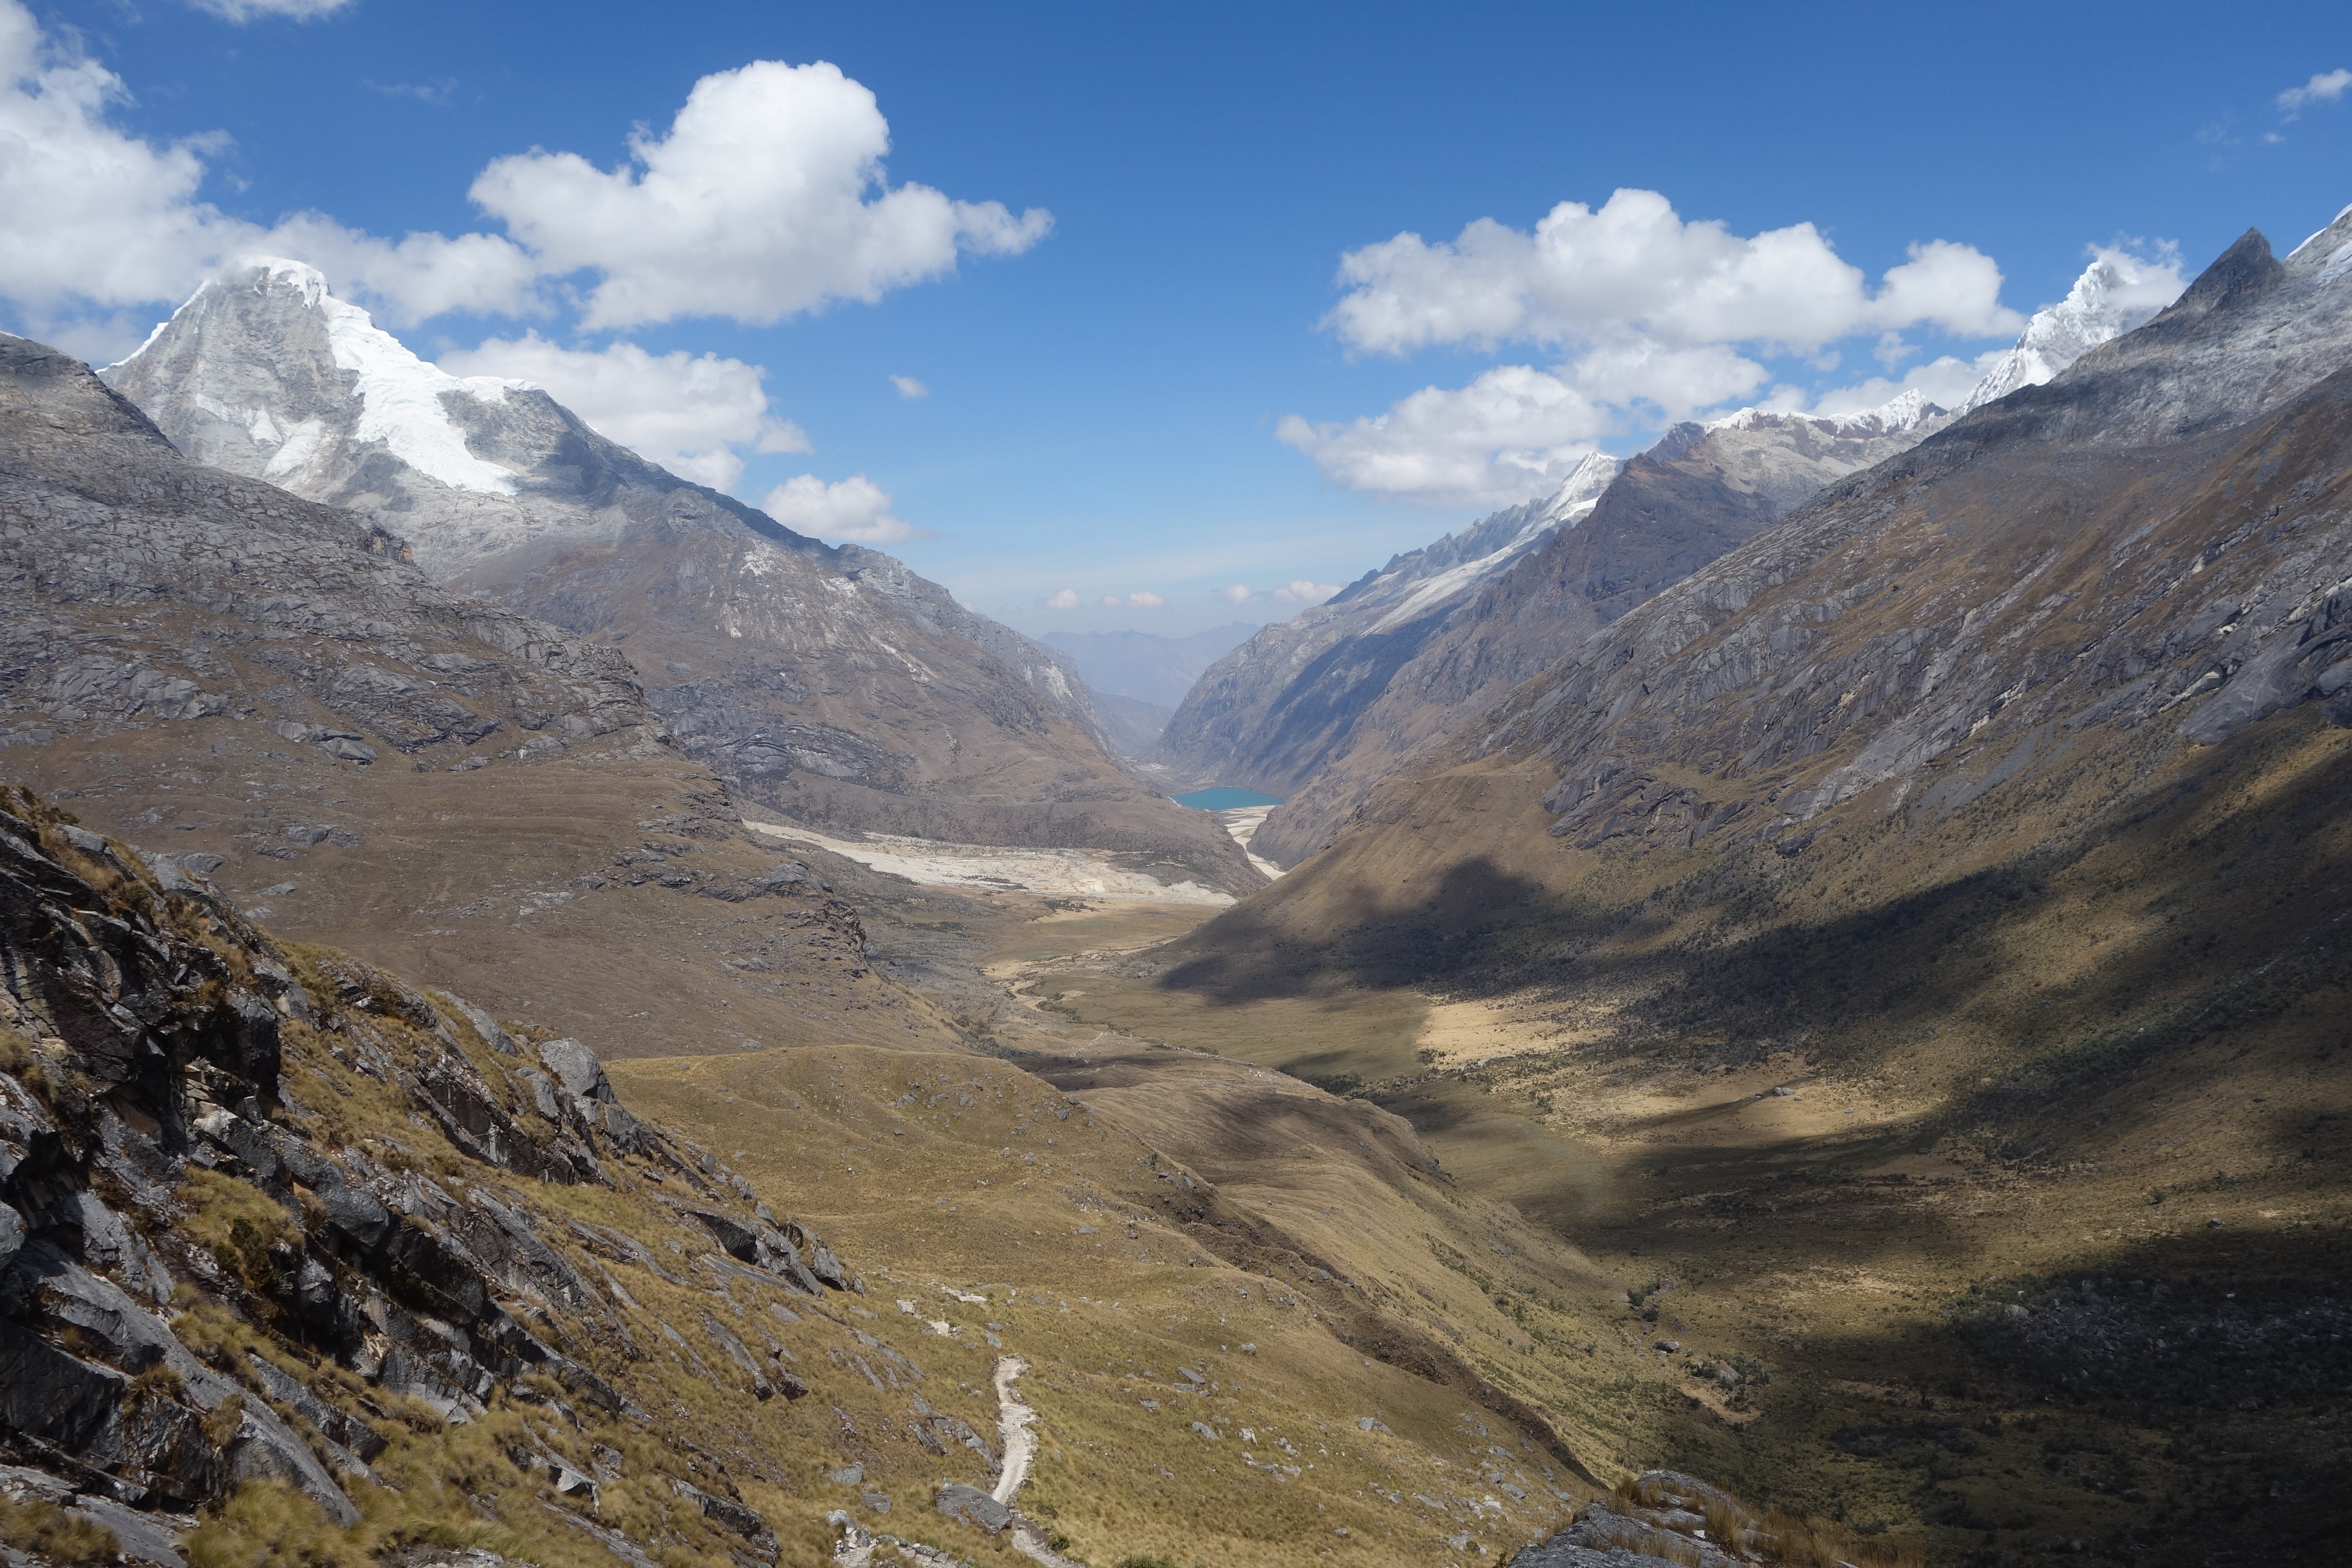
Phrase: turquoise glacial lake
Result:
[1226,797]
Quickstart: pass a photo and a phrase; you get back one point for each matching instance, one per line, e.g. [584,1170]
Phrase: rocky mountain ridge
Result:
[264,684]
[2174,553]
[1701,490]
[829,685]
[1272,712]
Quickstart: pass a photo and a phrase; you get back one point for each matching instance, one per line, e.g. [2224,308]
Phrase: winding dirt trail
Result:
[1014,1430]
[1014,1422]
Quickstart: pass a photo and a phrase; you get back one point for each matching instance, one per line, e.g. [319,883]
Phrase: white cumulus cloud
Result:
[1633,267]
[2325,87]
[1143,599]
[1513,432]
[767,198]
[1653,318]
[695,416]
[1237,593]
[100,222]
[854,510]
[909,388]
[1060,599]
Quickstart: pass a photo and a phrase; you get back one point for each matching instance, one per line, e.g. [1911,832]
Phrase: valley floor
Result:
[1797,1284]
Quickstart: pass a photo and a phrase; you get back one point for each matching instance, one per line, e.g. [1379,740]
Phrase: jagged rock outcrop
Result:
[831,686]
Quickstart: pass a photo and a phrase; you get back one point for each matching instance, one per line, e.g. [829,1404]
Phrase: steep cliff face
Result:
[1697,493]
[832,686]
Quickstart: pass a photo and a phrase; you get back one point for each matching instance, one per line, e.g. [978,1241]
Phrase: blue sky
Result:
[1105,397]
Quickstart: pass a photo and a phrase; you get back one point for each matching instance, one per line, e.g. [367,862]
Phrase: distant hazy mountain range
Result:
[1138,677]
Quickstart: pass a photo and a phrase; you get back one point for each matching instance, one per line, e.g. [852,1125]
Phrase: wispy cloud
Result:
[909,388]
[244,11]
[435,93]
[2326,87]
[1298,590]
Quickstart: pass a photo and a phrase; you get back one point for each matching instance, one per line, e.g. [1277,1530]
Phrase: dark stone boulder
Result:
[973,1506]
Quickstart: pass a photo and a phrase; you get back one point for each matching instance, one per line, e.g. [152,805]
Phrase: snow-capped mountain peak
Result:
[1903,412]
[1427,580]
[400,393]
[2115,293]
[336,381]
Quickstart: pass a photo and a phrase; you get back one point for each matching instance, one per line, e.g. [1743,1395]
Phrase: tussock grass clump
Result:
[1818,1542]
[67,1541]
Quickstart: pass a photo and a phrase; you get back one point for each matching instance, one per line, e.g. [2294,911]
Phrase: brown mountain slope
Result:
[1995,807]
[1668,513]
[259,685]
[829,685]
[301,1264]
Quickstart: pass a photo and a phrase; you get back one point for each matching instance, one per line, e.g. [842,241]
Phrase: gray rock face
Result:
[973,1507]
[832,687]
[135,585]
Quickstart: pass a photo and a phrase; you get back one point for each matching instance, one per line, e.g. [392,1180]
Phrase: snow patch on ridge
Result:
[1570,505]
[400,394]
[1905,411]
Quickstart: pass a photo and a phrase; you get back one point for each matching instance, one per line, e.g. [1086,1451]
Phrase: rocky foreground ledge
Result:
[293,1250]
